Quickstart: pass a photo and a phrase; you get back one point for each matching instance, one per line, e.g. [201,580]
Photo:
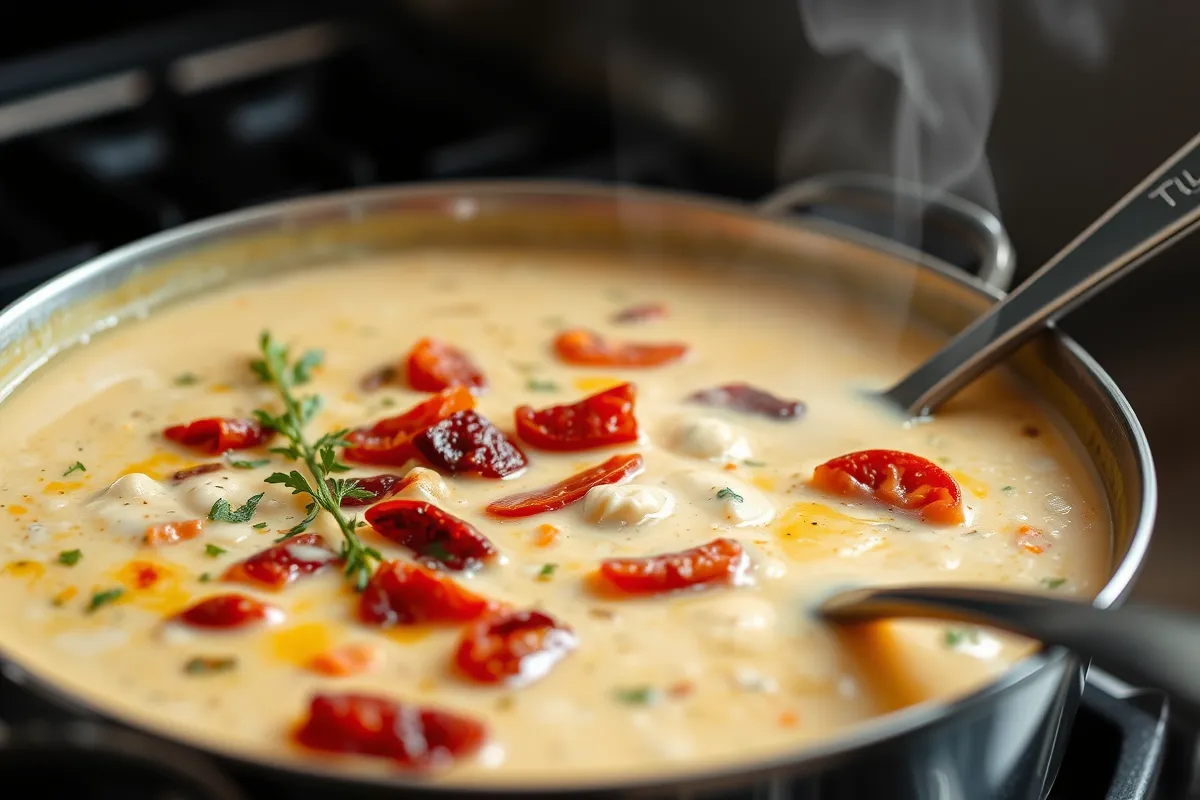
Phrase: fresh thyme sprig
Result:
[320,457]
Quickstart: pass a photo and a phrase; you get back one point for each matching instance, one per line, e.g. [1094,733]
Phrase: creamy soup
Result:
[651,614]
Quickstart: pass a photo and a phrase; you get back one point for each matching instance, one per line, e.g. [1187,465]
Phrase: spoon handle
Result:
[1145,646]
[1161,210]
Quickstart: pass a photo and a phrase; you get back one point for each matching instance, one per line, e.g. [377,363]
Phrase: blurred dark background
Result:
[120,119]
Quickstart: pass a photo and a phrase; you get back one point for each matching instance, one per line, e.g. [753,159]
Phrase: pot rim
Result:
[866,735]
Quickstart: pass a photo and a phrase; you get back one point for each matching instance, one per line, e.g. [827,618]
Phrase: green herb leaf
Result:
[205,577]
[186,379]
[70,557]
[302,369]
[221,511]
[957,637]
[547,572]
[1053,583]
[101,599]
[76,467]
[259,525]
[729,494]
[212,551]
[252,464]
[637,695]
[312,510]
[535,385]
[207,665]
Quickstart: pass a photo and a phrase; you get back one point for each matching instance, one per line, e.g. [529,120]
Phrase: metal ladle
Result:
[1147,646]
[1160,211]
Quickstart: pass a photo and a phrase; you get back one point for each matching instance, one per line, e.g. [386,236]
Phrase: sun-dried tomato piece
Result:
[588,349]
[402,593]
[389,441]
[513,647]
[599,420]
[280,564]
[381,487]
[217,434]
[467,442]
[411,736]
[565,492]
[897,479]
[748,400]
[439,538]
[201,469]
[642,313]
[174,532]
[721,561]
[434,366]
[225,611]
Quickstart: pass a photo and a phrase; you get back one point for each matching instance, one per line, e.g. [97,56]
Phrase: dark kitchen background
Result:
[121,119]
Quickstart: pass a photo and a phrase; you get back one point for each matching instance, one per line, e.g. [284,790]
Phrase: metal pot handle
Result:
[980,228]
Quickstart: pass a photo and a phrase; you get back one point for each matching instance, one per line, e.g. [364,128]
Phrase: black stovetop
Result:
[117,125]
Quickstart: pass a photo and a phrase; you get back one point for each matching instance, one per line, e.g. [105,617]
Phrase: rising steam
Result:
[909,87]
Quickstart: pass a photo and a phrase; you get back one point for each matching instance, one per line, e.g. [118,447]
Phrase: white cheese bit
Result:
[492,755]
[134,502]
[201,493]
[735,623]
[708,438]
[733,501]
[426,485]
[627,504]
[310,553]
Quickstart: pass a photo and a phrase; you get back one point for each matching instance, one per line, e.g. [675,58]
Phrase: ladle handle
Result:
[1150,218]
[1144,646]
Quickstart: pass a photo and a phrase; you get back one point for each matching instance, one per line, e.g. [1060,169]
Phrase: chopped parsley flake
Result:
[957,637]
[546,572]
[205,577]
[259,525]
[387,402]
[207,665]
[187,379]
[535,385]
[729,494]
[101,599]
[222,512]
[70,557]
[251,464]
[637,695]
[1053,583]
[76,467]
[750,462]
[436,551]
[1007,489]
[212,551]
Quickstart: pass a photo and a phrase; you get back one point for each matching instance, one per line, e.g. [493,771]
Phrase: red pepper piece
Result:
[225,611]
[721,561]
[389,441]
[600,420]
[401,593]
[513,647]
[588,349]
[467,442]
[411,736]
[748,400]
[642,313]
[572,490]
[216,434]
[438,538]
[434,366]
[283,563]
[191,472]
[381,487]
[897,479]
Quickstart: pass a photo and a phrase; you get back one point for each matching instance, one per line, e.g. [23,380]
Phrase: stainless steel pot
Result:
[1002,741]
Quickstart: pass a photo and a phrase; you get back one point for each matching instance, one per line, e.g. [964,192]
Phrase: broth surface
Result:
[687,680]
